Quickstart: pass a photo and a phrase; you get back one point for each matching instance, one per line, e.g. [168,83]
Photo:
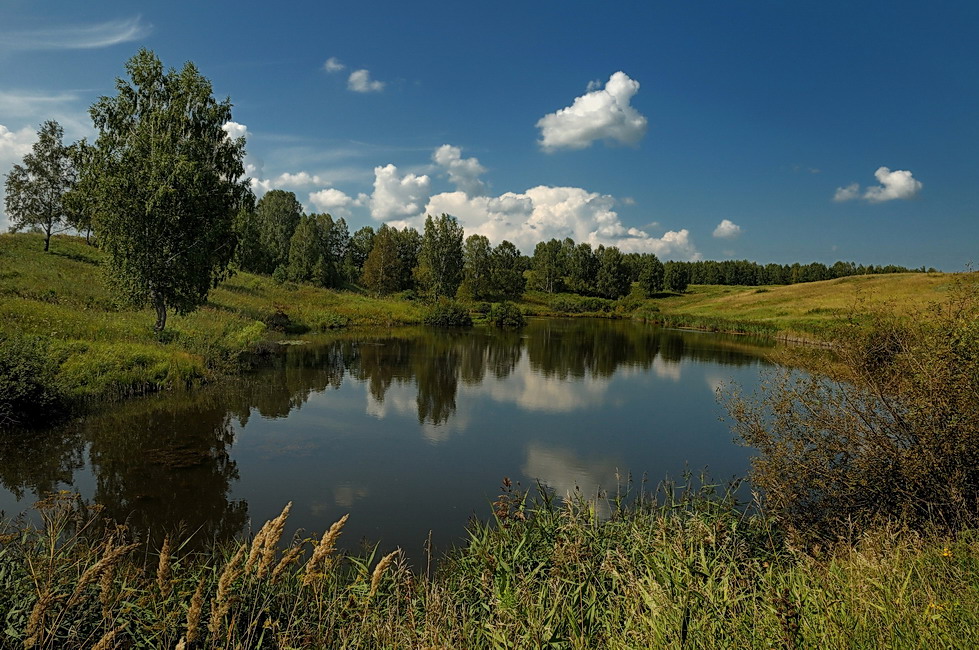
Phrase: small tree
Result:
[476,266]
[278,214]
[650,274]
[167,182]
[506,272]
[676,276]
[440,260]
[381,269]
[35,195]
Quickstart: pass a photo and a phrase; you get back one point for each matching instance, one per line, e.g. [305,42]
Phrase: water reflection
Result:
[410,429]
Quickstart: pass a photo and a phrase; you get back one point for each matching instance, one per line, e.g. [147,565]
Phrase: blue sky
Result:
[772,131]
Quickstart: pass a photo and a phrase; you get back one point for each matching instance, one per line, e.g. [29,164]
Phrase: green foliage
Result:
[477,256]
[440,261]
[506,315]
[651,274]
[891,435]
[612,280]
[506,272]
[676,277]
[29,387]
[549,265]
[448,313]
[36,190]
[277,214]
[167,183]
[382,267]
[572,304]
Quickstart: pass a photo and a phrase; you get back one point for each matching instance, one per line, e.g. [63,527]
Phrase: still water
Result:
[410,430]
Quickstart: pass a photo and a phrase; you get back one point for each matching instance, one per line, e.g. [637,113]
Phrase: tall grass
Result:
[678,569]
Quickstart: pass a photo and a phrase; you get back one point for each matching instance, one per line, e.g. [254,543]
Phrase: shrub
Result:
[28,383]
[889,433]
[448,313]
[580,304]
[506,315]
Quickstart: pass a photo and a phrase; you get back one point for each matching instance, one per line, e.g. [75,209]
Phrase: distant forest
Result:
[277,238]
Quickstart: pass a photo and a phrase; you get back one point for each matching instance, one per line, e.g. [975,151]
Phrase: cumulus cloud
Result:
[336,202]
[524,218]
[235,130]
[727,229]
[897,184]
[541,213]
[77,37]
[463,172]
[396,196]
[851,191]
[333,65]
[14,145]
[599,114]
[360,81]
[287,180]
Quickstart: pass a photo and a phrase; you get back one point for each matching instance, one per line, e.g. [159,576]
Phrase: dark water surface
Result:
[408,430]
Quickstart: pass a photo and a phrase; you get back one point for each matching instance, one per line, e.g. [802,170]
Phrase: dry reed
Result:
[382,565]
[271,540]
[223,600]
[323,550]
[163,568]
[194,611]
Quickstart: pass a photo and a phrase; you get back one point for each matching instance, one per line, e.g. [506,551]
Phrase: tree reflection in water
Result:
[165,463]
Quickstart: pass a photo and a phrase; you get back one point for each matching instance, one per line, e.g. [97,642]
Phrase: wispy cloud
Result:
[76,37]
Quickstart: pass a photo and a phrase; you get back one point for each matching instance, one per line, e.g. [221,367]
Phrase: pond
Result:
[409,430]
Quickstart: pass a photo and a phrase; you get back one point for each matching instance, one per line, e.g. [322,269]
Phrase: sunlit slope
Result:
[102,347]
[814,306]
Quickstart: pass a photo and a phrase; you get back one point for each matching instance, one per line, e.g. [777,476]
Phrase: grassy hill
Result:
[808,310]
[99,347]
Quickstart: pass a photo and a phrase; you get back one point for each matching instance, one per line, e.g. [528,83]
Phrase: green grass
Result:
[104,349]
[687,570]
[808,310]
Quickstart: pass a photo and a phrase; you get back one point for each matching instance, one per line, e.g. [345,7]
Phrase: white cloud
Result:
[286,180]
[397,196]
[599,114]
[14,145]
[360,82]
[463,172]
[333,65]
[336,202]
[541,213]
[235,130]
[77,37]
[851,191]
[897,184]
[727,229]
[524,218]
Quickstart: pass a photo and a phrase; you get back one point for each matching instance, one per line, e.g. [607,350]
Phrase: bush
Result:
[28,382]
[889,433]
[448,313]
[506,315]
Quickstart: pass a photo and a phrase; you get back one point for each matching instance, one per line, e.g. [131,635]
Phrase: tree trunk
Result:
[161,311]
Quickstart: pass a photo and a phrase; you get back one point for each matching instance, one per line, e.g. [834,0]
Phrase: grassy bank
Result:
[813,310]
[687,571]
[94,347]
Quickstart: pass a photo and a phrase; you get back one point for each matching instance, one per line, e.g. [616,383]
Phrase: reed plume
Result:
[108,641]
[323,550]
[163,568]
[222,601]
[289,558]
[271,540]
[194,611]
[382,565]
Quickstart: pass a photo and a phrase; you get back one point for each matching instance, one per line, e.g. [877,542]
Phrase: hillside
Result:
[102,348]
[809,309]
